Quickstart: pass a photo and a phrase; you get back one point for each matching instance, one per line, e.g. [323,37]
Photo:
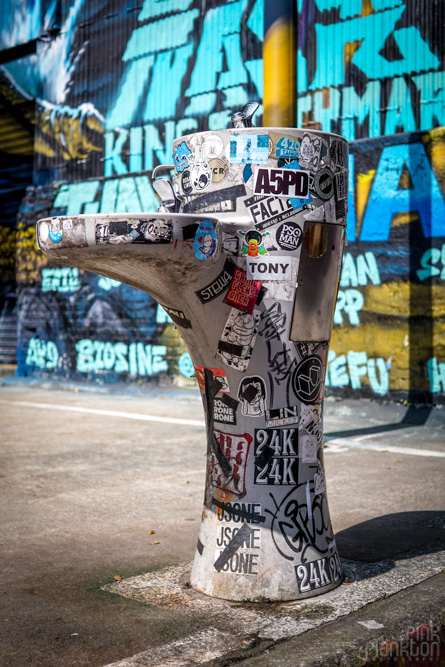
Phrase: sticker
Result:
[239,513]
[252,395]
[281,291]
[223,199]
[224,409]
[319,482]
[219,374]
[285,146]
[339,154]
[186,183]
[200,176]
[213,146]
[43,232]
[205,240]
[324,183]
[237,340]
[310,420]
[308,448]
[341,185]
[282,416]
[140,231]
[242,293]
[282,182]
[238,548]
[268,211]
[253,243]
[178,317]
[289,236]
[276,456]
[317,574]
[185,365]
[218,285]
[307,380]
[249,148]
[235,449]
[68,224]
[219,169]
[230,244]
[54,232]
[183,157]
[310,151]
[278,268]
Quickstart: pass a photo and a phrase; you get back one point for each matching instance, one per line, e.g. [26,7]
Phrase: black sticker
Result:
[178,317]
[318,574]
[224,409]
[218,285]
[276,456]
[289,236]
[189,231]
[324,183]
[186,183]
[210,198]
[308,379]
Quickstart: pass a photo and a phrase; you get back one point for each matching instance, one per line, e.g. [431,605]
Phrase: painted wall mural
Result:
[120,82]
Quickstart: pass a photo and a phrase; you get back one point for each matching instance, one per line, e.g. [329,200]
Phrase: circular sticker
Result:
[43,232]
[289,236]
[205,241]
[200,176]
[186,184]
[219,169]
[185,365]
[214,146]
[324,183]
[307,379]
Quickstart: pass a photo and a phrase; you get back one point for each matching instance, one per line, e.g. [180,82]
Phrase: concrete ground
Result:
[100,510]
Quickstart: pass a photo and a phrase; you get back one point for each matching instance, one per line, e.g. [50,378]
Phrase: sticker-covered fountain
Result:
[244,254]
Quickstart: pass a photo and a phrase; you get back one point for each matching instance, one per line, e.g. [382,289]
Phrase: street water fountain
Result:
[244,253]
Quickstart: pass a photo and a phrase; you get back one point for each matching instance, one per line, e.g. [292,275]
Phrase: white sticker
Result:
[307,447]
[282,182]
[265,268]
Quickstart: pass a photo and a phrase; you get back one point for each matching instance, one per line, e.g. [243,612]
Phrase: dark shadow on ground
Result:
[390,538]
[414,416]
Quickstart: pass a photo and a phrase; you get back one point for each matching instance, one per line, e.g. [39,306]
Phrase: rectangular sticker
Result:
[237,340]
[308,448]
[276,456]
[268,211]
[242,293]
[285,146]
[139,231]
[218,285]
[263,268]
[248,148]
[178,317]
[224,409]
[282,416]
[235,449]
[287,183]
[318,574]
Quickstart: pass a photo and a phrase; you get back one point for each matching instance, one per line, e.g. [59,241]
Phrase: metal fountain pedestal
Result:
[245,256]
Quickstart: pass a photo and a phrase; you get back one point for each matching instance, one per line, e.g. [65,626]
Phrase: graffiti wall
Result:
[120,81]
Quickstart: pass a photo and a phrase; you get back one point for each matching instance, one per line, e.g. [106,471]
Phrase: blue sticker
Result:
[287,148]
[182,155]
[186,365]
[297,203]
[56,236]
[205,240]
[249,148]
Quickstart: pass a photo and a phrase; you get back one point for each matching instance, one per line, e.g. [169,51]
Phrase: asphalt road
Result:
[102,485]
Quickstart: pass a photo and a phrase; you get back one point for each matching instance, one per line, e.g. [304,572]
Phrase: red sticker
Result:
[235,449]
[242,293]
[218,373]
